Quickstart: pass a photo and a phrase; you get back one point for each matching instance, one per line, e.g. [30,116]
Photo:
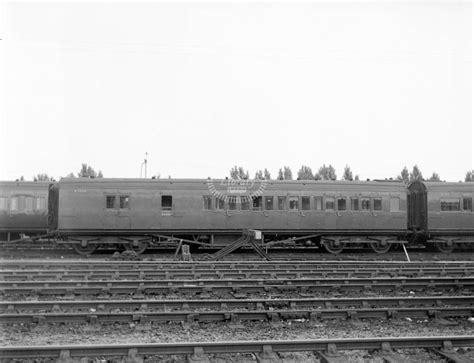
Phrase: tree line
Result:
[329,173]
[284,173]
[86,171]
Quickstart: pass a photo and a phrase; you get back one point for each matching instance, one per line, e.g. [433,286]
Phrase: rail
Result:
[265,349]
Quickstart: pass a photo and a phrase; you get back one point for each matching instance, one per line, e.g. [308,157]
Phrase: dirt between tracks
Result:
[211,332]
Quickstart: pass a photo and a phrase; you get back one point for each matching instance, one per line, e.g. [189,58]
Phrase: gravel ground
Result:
[289,330]
[283,295]
[176,332]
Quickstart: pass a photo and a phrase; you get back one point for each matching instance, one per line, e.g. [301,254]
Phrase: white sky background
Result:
[205,86]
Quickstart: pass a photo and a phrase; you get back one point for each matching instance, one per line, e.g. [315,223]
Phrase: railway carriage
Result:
[442,213]
[23,209]
[138,212]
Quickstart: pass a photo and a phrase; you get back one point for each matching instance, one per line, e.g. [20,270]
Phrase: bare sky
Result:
[205,86]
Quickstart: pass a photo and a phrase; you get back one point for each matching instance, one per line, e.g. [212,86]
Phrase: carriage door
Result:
[417,206]
[123,215]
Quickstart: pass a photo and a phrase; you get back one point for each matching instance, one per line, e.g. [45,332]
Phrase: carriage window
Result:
[232,203]
[245,203]
[450,205]
[28,203]
[354,203]
[377,203]
[329,203]
[220,203]
[166,202]
[14,204]
[257,203]
[293,203]
[268,203]
[341,203]
[305,203]
[40,203]
[365,203]
[3,203]
[124,202]
[281,203]
[207,202]
[110,201]
[394,204]
[467,204]
[318,203]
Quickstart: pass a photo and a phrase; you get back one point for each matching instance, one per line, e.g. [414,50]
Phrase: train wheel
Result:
[86,249]
[445,247]
[380,247]
[139,248]
[333,247]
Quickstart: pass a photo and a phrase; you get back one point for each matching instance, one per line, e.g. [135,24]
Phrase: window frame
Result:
[219,204]
[326,199]
[342,198]
[355,199]
[35,203]
[6,204]
[120,201]
[381,204]
[283,198]
[209,199]
[451,201]
[394,198]
[256,199]
[293,198]
[167,209]
[17,202]
[315,203]
[107,196]
[233,201]
[265,205]
[31,199]
[244,201]
[362,200]
[308,198]
[464,199]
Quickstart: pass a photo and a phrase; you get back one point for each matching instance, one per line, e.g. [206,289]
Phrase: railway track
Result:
[204,287]
[226,265]
[31,271]
[189,286]
[327,349]
[245,304]
[146,312]
[223,273]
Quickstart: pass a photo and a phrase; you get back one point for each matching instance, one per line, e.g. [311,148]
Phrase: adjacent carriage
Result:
[442,213]
[23,209]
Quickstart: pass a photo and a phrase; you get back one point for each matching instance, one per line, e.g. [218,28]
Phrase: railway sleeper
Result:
[327,350]
[331,355]
[448,352]
[389,355]
[267,355]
